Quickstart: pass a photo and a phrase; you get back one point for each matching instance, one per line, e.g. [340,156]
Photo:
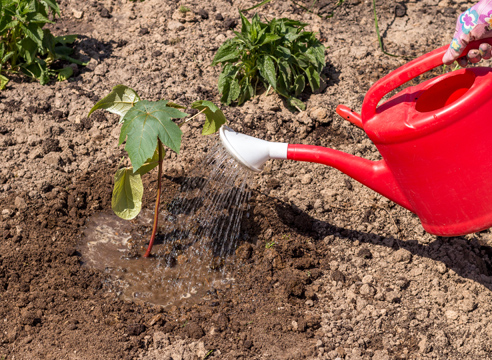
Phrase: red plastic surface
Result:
[436,142]
[350,115]
[373,174]
[404,74]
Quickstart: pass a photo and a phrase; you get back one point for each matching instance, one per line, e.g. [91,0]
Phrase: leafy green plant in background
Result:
[146,127]
[277,54]
[26,46]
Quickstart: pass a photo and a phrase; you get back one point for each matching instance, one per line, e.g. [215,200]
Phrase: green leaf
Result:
[37,70]
[296,103]
[267,70]
[228,52]
[246,25]
[226,76]
[48,41]
[34,32]
[299,85]
[174,105]
[283,52]
[286,72]
[214,117]
[256,6]
[143,124]
[231,91]
[3,82]
[126,201]
[63,50]
[152,162]
[6,57]
[313,78]
[269,38]
[65,39]
[119,101]
[52,5]
[246,92]
[278,53]
[72,60]
[282,87]
[65,73]
[28,49]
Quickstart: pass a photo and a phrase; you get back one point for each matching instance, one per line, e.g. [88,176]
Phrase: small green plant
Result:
[270,244]
[25,46]
[184,9]
[146,127]
[278,54]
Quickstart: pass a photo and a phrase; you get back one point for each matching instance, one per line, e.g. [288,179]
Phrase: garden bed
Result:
[327,268]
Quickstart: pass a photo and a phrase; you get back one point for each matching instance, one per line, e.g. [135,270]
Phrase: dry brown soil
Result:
[351,275]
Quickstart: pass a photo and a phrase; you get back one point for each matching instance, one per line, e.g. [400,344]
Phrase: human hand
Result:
[474,24]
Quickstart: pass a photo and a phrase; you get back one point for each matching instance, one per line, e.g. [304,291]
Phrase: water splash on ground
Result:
[198,234]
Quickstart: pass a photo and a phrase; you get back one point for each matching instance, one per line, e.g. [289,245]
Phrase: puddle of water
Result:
[197,237]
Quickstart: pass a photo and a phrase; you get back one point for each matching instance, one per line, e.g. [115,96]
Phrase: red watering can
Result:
[435,139]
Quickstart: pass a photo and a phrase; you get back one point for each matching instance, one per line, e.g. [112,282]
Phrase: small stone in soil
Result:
[203,13]
[51,145]
[219,17]
[57,114]
[105,13]
[365,254]
[135,329]
[194,331]
[230,23]
[143,31]
[78,14]
[121,43]
[348,184]
[400,10]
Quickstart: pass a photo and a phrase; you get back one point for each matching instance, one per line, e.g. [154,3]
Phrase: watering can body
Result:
[436,140]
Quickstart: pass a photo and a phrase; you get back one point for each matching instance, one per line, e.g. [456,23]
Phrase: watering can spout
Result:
[373,174]
[253,153]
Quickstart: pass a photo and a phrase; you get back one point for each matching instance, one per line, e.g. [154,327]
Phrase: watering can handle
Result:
[406,73]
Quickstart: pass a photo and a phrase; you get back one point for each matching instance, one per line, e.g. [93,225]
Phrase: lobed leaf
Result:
[152,162]
[126,200]
[118,101]
[214,117]
[143,124]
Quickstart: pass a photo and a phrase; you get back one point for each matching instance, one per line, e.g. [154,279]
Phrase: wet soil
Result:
[326,268]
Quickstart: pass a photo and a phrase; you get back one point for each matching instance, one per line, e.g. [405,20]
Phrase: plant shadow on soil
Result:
[463,256]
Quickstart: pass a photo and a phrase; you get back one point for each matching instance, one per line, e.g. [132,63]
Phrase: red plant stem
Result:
[157,202]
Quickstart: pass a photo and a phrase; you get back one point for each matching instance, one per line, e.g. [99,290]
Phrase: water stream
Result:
[198,233]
